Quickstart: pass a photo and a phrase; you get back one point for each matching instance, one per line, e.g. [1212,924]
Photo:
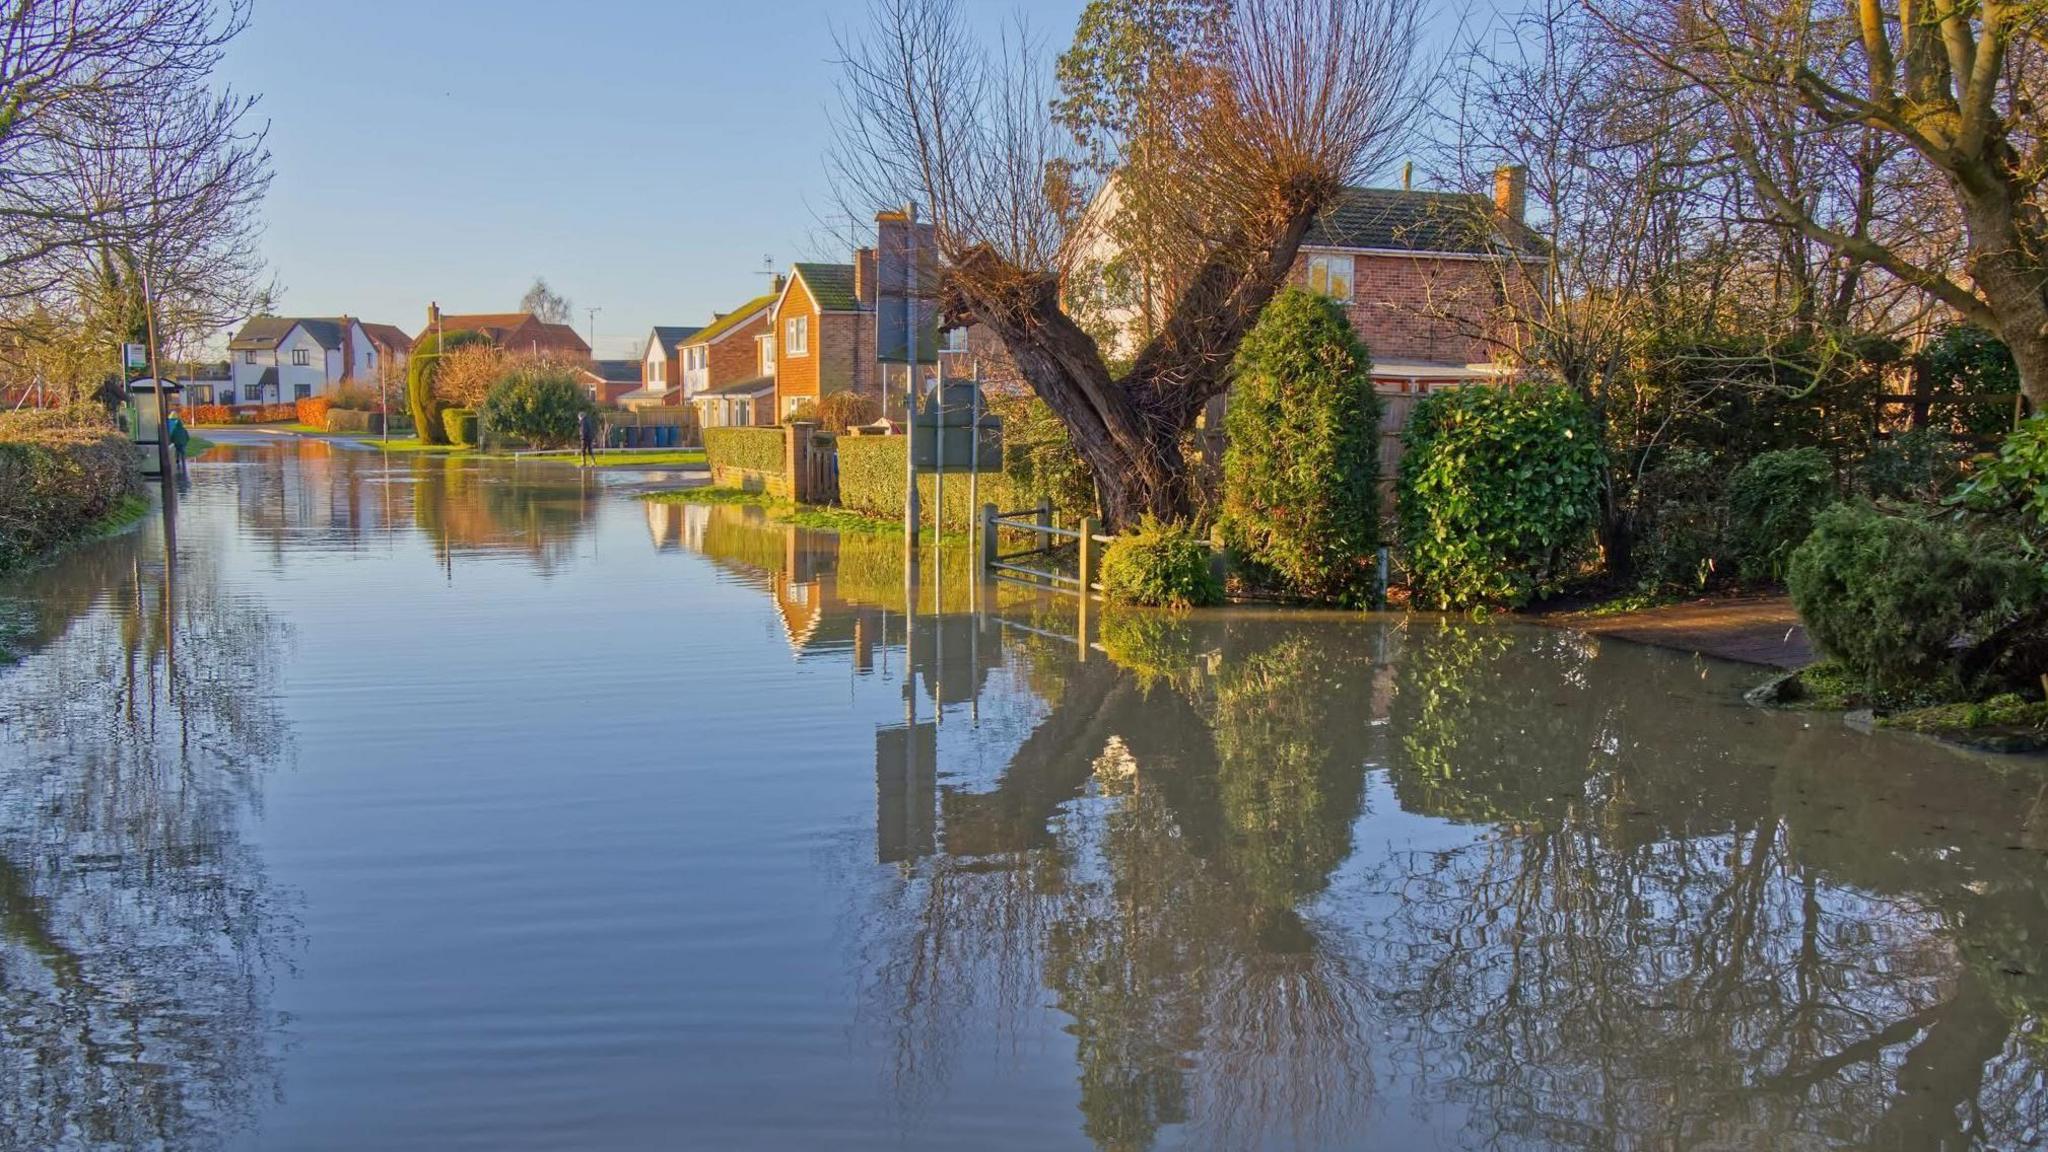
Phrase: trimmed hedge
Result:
[748,449]
[57,479]
[351,421]
[871,481]
[312,411]
[1499,492]
[460,426]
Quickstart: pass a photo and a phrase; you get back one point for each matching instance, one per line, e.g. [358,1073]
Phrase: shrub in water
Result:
[538,403]
[1921,608]
[1772,501]
[1301,470]
[1159,565]
[1498,492]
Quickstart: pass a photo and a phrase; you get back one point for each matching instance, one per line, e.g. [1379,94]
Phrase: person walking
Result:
[586,431]
[180,438]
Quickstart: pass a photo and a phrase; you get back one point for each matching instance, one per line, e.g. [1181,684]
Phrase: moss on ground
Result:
[2008,723]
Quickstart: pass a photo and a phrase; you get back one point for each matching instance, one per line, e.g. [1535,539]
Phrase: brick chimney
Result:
[348,347]
[864,276]
[433,315]
[1511,192]
[780,283]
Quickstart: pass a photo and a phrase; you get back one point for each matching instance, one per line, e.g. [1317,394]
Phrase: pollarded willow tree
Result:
[1239,143]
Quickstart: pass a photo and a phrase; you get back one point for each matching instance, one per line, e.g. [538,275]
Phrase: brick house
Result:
[661,365]
[515,332]
[610,382]
[824,327]
[729,365]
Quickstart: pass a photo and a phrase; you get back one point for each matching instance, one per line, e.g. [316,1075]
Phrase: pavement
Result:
[1761,630]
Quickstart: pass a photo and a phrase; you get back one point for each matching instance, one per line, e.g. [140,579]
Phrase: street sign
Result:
[135,357]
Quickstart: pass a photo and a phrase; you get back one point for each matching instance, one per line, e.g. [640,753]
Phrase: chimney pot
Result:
[1511,192]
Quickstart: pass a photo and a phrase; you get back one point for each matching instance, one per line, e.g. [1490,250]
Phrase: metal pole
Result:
[973,451]
[163,422]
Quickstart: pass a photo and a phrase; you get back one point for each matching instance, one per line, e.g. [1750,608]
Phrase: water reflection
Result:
[139,935]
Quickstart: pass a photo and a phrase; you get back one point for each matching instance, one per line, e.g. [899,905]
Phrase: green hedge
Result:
[460,424]
[354,422]
[57,480]
[752,449]
[1159,565]
[871,481]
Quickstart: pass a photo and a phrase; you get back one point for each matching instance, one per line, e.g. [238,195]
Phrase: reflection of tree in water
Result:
[537,512]
[137,930]
[1145,857]
[1666,938]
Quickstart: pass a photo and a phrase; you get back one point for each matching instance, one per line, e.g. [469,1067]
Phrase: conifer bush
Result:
[537,403]
[1301,470]
[1159,565]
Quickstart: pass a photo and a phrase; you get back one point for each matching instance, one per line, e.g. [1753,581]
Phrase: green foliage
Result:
[750,449]
[871,481]
[1156,647]
[1681,517]
[1772,501]
[538,403]
[1968,360]
[459,426]
[1039,455]
[1301,473]
[1918,466]
[420,372]
[1159,565]
[2013,484]
[1921,608]
[61,474]
[1499,488]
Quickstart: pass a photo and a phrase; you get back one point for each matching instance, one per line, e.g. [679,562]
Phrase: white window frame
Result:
[953,340]
[796,336]
[301,358]
[764,354]
[1324,275]
[660,374]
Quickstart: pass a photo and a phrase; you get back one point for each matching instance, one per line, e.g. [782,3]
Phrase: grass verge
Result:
[783,511]
[2008,723]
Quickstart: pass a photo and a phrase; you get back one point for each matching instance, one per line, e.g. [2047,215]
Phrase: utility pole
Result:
[156,380]
[590,318]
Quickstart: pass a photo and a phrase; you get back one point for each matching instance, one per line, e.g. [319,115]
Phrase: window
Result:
[657,371]
[741,409]
[301,358]
[1330,276]
[796,339]
[302,391]
[790,404]
[764,347]
[227,397]
[248,357]
[370,357]
[953,340]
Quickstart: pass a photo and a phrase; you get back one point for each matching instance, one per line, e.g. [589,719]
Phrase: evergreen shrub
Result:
[1159,565]
[536,403]
[1772,500]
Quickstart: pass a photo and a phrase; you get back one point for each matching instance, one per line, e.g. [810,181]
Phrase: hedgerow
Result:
[59,475]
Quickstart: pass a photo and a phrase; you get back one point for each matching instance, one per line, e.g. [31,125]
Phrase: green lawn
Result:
[783,511]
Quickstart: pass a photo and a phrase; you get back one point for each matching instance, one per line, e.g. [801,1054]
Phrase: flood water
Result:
[416,805]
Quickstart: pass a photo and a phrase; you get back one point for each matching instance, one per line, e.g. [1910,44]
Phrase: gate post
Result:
[988,537]
[796,459]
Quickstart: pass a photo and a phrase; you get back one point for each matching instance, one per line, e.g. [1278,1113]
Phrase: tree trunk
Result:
[1129,429]
[2011,275]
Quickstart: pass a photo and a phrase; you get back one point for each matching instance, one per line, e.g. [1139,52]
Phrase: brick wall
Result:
[1423,308]
[796,377]
[734,358]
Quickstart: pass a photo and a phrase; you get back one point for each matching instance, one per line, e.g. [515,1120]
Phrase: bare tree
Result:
[1297,98]
[1956,83]
[546,304]
[65,66]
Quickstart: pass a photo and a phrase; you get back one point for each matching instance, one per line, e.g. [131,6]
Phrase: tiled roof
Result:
[389,335]
[753,387]
[618,371]
[269,331]
[1406,221]
[831,285]
[732,319]
[672,337]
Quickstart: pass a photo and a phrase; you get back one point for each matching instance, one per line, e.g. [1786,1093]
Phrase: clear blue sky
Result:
[643,155]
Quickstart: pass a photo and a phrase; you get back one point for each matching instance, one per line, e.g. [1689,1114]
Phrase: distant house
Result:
[516,332]
[279,359]
[824,333]
[729,366]
[612,382]
[661,366]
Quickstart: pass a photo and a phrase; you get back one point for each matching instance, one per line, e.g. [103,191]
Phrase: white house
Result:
[279,359]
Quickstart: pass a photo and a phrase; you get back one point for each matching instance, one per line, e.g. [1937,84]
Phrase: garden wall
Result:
[751,459]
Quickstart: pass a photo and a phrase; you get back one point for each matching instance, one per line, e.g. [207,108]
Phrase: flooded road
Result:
[409,804]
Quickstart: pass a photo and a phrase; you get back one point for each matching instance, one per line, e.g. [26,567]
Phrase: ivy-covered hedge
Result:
[1498,493]
[748,449]
[59,475]
[871,481]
